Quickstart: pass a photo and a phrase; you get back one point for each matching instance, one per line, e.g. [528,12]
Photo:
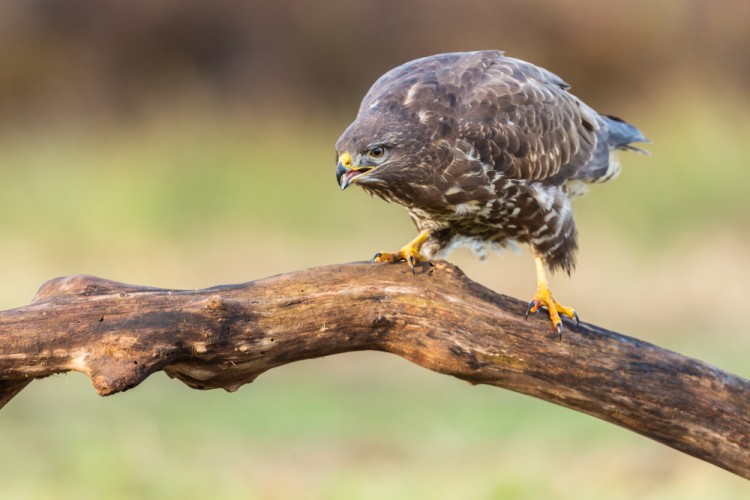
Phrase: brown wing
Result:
[520,120]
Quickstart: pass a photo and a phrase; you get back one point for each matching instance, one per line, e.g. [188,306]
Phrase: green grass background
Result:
[189,199]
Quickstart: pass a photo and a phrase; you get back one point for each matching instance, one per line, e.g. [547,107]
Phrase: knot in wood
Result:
[215,303]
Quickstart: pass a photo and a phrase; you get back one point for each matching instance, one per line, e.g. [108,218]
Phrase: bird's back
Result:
[517,118]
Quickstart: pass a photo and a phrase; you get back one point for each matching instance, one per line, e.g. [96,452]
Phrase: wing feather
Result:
[522,121]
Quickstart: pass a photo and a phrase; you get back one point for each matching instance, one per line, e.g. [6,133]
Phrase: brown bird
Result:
[483,150]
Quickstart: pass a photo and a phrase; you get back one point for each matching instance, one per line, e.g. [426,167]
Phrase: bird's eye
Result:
[376,152]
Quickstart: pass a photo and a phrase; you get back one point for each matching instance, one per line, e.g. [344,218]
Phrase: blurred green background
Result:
[189,143]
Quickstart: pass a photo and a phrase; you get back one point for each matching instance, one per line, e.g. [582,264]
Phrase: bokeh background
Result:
[188,143]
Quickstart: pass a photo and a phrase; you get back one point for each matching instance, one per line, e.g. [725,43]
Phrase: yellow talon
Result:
[409,252]
[544,298]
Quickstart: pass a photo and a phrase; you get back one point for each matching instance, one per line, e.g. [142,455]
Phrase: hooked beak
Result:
[345,173]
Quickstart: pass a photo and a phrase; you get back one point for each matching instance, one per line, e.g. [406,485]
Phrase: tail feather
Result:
[622,134]
[614,133]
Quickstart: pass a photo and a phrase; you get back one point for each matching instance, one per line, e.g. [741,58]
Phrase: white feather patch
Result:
[464,209]
[411,94]
[477,247]
[576,188]
[544,195]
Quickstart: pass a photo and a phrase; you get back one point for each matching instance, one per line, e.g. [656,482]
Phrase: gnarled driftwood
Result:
[226,336]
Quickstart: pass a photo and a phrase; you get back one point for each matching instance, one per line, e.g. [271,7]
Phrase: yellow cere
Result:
[345,159]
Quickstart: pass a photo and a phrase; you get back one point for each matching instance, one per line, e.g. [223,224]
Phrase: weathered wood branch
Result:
[226,336]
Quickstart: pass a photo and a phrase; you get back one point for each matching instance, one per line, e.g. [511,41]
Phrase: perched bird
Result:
[483,150]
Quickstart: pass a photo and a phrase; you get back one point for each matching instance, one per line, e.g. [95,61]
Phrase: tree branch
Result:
[226,336]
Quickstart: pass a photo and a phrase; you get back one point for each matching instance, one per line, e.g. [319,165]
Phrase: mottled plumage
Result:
[482,149]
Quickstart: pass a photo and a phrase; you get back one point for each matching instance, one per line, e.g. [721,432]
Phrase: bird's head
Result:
[355,165]
[380,150]
[406,126]
[371,152]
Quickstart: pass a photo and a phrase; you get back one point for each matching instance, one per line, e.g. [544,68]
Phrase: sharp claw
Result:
[410,260]
[528,309]
[375,257]
[578,321]
[559,328]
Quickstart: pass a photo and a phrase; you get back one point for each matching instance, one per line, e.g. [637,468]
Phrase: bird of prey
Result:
[483,150]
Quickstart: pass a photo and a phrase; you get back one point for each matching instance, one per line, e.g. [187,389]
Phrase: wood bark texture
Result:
[225,336]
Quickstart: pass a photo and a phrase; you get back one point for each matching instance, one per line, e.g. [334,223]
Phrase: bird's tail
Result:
[622,134]
[613,133]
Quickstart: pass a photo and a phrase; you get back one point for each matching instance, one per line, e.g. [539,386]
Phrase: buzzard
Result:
[483,150]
